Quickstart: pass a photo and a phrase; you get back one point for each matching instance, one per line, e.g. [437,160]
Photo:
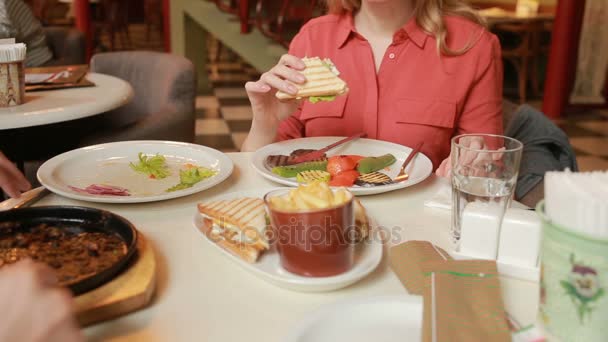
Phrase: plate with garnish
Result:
[135,171]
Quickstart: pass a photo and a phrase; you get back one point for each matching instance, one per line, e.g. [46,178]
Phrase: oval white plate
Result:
[109,164]
[377,319]
[419,169]
[368,256]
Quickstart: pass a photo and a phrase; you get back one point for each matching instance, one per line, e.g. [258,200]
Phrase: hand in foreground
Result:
[469,157]
[11,179]
[33,308]
[268,111]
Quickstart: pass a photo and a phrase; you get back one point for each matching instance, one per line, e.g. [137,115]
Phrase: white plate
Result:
[367,257]
[377,319]
[109,164]
[419,169]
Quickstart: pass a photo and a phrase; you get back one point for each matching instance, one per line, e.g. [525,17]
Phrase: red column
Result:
[562,58]
[167,25]
[82,15]
[244,15]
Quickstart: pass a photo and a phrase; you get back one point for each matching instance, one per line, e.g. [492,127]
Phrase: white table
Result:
[52,106]
[203,296]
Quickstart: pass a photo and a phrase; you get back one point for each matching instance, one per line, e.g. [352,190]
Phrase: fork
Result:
[402,176]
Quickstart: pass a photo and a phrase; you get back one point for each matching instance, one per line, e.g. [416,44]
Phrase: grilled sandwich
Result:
[322,81]
[239,226]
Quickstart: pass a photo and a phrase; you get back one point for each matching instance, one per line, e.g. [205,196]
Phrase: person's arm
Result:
[12,181]
[7,29]
[34,308]
[482,111]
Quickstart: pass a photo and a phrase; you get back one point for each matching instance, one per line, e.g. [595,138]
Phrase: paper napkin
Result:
[462,298]
[407,260]
[463,302]
[578,201]
[442,199]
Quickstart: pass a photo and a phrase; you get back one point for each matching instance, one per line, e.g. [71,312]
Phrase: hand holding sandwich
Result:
[274,97]
[268,110]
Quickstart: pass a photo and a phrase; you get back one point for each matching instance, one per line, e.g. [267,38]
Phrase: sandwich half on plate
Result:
[239,226]
[322,82]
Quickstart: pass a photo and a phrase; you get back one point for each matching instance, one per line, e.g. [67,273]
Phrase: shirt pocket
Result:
[435,113]
[324,109]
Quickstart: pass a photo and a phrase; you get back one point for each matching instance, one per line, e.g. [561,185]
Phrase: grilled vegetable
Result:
[345,178]
[337,164]
[373,179]
[305,177]
[291,171]
[372,164]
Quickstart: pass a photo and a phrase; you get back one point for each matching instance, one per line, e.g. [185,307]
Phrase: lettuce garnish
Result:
[153,166]
[191,176]
[315,99]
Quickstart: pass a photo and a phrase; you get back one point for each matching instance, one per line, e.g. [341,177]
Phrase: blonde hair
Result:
[429,16]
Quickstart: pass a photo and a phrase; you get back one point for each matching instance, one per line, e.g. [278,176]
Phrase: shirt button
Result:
[391,55]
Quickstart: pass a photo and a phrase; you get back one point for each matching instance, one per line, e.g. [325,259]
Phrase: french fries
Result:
[315,195]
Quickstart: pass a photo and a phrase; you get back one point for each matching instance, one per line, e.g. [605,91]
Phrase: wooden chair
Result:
[114,21]
[153,16]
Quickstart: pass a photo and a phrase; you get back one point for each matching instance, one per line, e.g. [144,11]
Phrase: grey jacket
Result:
[546,148]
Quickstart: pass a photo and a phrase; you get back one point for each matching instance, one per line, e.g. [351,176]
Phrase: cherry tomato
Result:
[345,178]
[339,164]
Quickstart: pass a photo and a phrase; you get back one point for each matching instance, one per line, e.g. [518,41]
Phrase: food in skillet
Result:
[73,254]
[340,170]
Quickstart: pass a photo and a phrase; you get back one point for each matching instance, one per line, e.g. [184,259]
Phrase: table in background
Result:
[53,106]
[203,295]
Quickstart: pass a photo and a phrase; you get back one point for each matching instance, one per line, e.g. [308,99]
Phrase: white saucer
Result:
[367,257]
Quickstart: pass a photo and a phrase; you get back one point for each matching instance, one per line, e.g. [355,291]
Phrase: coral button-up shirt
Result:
[416,94]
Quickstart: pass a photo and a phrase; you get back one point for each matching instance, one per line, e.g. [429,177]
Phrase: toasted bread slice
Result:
[245,217]
[244,251]
[361,221]
[321,80]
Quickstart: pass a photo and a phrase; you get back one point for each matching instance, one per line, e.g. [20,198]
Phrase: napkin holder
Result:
[12,84]
[516,247]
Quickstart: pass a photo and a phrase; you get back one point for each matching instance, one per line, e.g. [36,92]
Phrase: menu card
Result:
[58,77]
[462,298]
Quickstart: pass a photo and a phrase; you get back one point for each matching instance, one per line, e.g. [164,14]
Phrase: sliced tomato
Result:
[339,164]
[346,178]
[354,157]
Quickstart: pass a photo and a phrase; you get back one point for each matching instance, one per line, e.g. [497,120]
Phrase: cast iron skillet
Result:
[80,219]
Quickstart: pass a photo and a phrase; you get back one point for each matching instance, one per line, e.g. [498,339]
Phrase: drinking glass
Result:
[484,169]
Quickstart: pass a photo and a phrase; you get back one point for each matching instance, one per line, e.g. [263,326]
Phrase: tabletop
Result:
[204,296]
[52,106]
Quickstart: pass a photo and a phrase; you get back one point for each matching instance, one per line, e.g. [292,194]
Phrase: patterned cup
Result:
[574,281]
[12,84]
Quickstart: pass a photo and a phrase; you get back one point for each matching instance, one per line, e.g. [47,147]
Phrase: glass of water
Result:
[484,169]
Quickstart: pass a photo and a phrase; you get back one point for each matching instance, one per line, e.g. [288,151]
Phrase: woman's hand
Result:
[472,157]
[11,179]
[34,309]
[268,111]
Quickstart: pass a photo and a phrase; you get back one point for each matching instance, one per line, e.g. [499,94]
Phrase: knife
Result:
[27,199]
[320,153]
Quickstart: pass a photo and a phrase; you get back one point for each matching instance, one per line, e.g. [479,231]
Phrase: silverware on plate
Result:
[402,176]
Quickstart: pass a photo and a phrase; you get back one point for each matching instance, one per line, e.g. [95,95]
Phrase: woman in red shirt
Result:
[416,70]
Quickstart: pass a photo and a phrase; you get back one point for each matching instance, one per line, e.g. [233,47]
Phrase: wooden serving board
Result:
[131,290]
